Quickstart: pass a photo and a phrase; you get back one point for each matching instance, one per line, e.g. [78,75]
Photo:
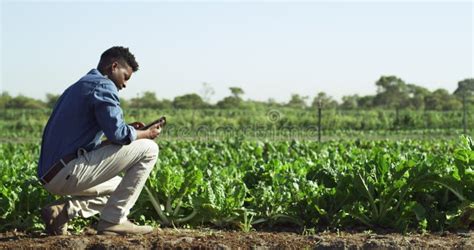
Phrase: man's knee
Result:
[150,148]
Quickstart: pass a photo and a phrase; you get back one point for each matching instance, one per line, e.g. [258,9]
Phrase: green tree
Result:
[165,104]
[350,102]
[440,100]
[189,101]
[4,99]
[236,91]
[297,101]
[392,92]
[233,101]
[147,100]
[465,88]
[23,102]
[271,102]
[229,102]
[366,102]
[51,100]
[417,96]
[326,101]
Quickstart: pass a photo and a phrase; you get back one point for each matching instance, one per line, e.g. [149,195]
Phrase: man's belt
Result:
[53,170]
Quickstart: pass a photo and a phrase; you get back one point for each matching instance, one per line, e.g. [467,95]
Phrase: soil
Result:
[215,239]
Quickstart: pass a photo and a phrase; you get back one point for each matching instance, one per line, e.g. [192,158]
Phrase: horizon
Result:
[308,101]
[270,50]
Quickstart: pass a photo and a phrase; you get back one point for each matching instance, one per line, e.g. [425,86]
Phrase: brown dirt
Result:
[214,239]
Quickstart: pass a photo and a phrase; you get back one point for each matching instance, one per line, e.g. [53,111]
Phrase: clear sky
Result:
[269,49]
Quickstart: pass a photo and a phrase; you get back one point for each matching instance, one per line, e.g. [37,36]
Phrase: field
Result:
[215,173]
[218,239]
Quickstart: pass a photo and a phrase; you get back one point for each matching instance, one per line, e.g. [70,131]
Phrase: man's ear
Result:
[114,66]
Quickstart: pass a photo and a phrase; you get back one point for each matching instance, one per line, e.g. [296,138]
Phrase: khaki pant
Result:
[93,182]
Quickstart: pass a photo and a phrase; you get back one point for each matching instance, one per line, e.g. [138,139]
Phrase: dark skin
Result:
[120,73]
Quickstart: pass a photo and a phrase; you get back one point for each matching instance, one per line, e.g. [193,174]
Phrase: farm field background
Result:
[215,171]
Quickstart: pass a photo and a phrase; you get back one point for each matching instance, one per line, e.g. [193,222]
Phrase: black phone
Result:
[161,121]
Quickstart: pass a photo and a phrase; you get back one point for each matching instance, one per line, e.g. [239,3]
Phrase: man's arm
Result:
[150,133]
[109,115]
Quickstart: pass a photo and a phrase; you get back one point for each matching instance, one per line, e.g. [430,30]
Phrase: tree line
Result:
[392,93]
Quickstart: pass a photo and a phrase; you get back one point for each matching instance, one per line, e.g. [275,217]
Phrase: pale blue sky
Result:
[270,49]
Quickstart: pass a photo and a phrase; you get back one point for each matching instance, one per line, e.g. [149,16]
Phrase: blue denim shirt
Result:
[86,111]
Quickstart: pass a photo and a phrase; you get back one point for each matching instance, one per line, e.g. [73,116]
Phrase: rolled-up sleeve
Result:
[109,115]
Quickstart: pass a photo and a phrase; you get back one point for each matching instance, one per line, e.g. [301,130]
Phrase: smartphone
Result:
[161,121]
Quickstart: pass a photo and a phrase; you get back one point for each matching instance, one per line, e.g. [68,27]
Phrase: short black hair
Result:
[120,54]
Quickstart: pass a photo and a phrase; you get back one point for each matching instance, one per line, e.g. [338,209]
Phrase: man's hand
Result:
[150,133]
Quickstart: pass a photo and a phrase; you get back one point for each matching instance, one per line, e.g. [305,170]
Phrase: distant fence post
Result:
[319,121]
[192,120]
[464,115]
[397,117]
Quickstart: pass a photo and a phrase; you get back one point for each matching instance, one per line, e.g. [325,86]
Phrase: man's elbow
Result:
[119,137]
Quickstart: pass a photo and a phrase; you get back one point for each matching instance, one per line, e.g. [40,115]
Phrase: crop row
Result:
[405,185]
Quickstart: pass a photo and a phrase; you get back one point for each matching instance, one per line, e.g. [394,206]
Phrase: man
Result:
[74,162]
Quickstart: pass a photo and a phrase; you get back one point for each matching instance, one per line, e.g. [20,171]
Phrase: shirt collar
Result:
[95,72]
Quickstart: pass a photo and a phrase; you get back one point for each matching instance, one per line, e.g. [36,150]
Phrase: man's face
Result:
[120,74]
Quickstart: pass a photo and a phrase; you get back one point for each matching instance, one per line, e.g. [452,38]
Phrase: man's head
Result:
[118,64]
